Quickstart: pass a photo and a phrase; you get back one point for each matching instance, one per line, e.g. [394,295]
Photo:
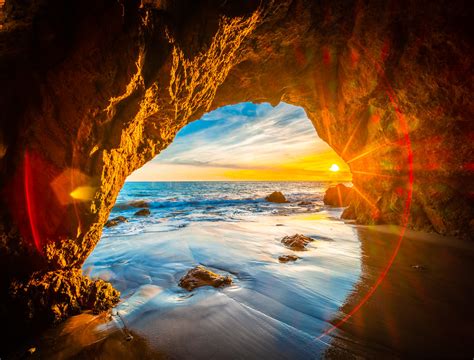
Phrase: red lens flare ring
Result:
[406,210]
[30,205]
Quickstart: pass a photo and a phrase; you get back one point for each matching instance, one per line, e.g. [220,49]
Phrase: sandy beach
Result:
[271,310]
[422,308]
[275,310]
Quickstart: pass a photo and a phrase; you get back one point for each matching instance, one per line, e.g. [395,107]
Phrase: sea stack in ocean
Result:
[276,197]
[339,195]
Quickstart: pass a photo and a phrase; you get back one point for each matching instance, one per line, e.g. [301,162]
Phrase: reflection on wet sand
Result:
[88,336]
[275,310]
[421,308]
[271,310]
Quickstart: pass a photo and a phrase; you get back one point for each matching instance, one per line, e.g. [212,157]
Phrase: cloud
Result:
[238,137]
[248,135]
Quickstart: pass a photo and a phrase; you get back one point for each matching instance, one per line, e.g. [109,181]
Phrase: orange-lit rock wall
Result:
[92,90]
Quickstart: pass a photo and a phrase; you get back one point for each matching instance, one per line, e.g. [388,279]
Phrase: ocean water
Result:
[272,310]
[174,205]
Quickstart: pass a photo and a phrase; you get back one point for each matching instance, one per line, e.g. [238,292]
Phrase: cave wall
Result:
[92,90]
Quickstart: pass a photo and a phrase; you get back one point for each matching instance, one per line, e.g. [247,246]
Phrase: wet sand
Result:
[423,308]
[274,310]
[271,310]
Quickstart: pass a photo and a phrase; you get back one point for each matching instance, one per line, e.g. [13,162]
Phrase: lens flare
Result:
[83,193]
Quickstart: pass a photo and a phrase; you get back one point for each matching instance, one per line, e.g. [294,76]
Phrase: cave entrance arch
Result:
[190,224]
[153,79]
[241,142]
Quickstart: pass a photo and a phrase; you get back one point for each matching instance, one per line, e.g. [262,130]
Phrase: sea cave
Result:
[94,90]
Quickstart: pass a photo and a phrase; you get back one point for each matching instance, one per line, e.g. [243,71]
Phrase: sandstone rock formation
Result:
[200,276]
[339,195]
[93,89]
[296,242]
[115,221]
[276,197]
[133,204]
[55,295]
[287,258]
[142,212]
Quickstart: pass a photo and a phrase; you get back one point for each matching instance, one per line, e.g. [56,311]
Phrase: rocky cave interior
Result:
[92,90]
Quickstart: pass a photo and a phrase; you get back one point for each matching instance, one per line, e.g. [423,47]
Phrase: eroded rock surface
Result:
[93,89]
[276,197]
[115,221]
[200,276]
[296,242]
[55,295]
[339,195]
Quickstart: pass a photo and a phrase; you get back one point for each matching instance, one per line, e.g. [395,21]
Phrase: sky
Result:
[246,142]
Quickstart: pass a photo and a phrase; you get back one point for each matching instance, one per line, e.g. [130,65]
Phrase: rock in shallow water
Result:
[296,242]
[115,221]
[339,195]
[276,197]
[200,276]
[132,204]
[287,258]
[142,212]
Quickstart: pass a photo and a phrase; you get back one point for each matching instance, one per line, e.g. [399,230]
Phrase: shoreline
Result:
[376,330]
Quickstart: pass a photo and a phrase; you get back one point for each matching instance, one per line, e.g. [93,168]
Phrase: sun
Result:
[334,167]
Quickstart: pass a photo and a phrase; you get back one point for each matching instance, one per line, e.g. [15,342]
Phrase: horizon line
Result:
[335,180]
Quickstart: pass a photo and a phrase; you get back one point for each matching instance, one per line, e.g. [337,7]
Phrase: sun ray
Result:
[366,153]
[349,141]
[374,174]
[339,195]
[325,117]
[364,196]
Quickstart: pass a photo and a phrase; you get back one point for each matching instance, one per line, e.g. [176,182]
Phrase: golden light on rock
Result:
[334,168]
[68,182]
[83,193]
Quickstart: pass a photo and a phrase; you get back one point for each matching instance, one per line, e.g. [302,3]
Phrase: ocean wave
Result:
[174,204]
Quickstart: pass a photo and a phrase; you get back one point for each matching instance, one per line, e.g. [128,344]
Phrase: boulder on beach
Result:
[276,197]
[142,212]
[200,276]
[296,242]
[287,258]
[339,195]
[132,204]
[115,221]
[305,203]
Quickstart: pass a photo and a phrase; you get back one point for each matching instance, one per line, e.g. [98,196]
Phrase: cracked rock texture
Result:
[93,89]
[297,242]
[200,276]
